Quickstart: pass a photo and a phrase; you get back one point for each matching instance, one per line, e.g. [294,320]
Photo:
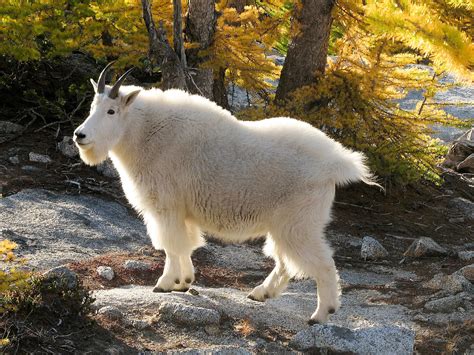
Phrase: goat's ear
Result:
[129,98]
[94,84]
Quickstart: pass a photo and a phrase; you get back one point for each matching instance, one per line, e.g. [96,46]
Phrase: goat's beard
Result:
[93,155]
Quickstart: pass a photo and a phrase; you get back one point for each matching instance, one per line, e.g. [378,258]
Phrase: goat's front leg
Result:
[170,233]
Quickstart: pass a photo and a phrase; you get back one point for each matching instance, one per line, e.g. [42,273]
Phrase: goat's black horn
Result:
[101,81]
[115,89]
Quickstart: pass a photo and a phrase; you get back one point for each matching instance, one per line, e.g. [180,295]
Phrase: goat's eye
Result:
[110,112]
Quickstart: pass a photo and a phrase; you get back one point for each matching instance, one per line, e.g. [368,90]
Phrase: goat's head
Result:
[107,120]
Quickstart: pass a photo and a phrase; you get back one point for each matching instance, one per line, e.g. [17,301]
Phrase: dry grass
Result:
[244,327]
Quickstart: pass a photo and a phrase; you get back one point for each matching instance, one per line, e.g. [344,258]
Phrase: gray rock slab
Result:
[376,340]
[53,229]
[291,310]
[188,315]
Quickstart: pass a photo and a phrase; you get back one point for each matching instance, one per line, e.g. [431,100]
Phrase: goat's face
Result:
[107,121]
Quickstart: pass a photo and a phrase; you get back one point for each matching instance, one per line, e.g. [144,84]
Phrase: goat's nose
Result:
[79,135]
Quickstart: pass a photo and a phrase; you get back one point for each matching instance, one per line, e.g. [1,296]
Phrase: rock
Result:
[212,330]
[425,246]
[68,148]
[39,158]
[467,165]
[451,283]
[136,265]
[62,274]
[188,315]
[30,168]
[57,229]
[106,272]
[468,272]
[216,350]
[14,160]
[458,153]
[376,340]
[372,249]
[9,127]
[467,255]
[445,304]
[464,206]
[107,169]
[136,323]
[111,312]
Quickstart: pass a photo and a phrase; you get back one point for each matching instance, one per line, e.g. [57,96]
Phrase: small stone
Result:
[335,339]
[111,312]
[468,272]
[445,304]
[467,255]
[14,160]
[212,330]
[107,169]
[136,265]
[62,274]
[136,323]
[193,291]
[425,246]
[188,315]
[106,272]
[372,249]
[39,158]
[30,168]
[457,220]
[68,148]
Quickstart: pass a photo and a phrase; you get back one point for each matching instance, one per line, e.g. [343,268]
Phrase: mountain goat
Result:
[188,166]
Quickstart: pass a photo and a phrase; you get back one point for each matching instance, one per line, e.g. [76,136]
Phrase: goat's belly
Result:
[232,230]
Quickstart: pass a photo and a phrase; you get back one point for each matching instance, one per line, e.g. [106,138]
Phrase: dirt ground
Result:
[395,218]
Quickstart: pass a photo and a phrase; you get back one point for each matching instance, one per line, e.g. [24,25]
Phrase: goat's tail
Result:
[351,167]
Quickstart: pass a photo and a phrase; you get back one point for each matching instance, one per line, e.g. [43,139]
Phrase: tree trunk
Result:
[307,54]
[200,27]
[161,53]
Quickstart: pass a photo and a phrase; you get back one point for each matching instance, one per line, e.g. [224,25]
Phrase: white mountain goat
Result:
[188,166]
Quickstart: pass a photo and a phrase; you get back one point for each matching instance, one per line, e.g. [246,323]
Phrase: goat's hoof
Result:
[313,322]
[184,289]
[188,280]
[177,281]
[331,311]
[251,297]
[159,290]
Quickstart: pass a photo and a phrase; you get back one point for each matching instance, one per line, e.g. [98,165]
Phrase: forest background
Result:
[347,64]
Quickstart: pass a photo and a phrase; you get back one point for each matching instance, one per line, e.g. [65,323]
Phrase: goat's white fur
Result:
[189,166]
